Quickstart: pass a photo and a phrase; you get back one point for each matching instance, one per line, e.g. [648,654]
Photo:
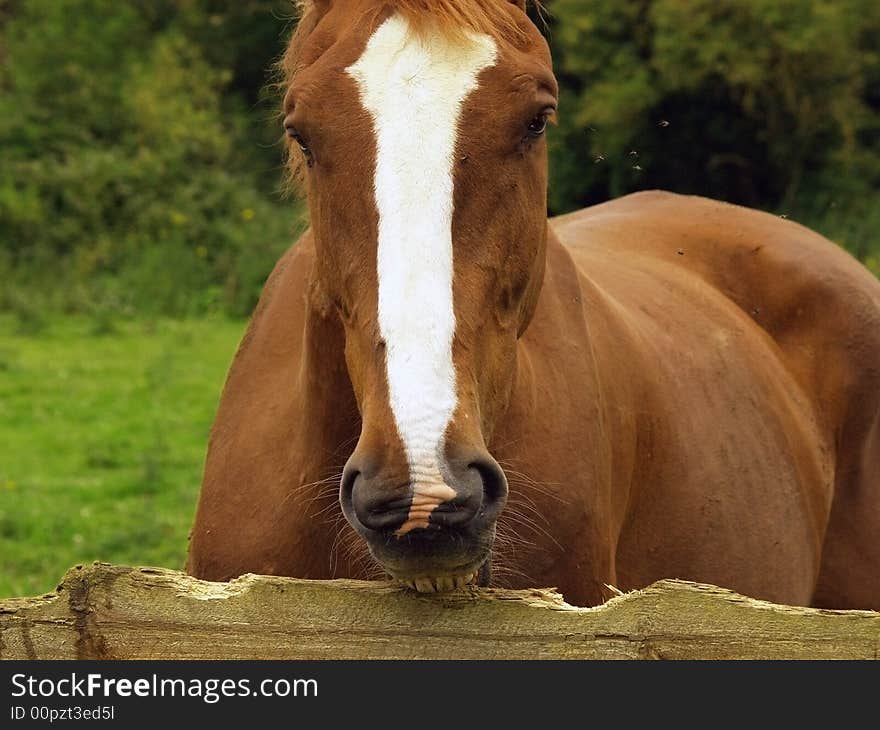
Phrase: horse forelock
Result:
[452,17]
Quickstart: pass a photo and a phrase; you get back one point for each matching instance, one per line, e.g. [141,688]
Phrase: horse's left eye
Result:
[538,125]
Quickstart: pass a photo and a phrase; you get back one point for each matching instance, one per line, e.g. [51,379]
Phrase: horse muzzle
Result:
[431,535]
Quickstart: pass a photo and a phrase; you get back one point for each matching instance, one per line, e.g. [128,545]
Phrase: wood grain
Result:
[114,612]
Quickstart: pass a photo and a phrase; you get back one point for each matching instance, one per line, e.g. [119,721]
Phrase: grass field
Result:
[102,437]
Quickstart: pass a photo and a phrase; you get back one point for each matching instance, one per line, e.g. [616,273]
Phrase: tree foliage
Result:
[137,168]
[767,103]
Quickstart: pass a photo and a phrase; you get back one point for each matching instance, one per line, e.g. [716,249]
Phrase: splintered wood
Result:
[113,612]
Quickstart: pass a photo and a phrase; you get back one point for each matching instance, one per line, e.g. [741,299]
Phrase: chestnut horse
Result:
[659,386]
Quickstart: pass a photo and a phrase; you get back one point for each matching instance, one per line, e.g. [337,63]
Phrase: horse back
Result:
[819,306]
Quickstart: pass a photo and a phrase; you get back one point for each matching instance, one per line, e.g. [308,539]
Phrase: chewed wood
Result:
[115,612]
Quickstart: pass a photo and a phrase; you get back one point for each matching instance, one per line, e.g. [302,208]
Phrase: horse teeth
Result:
[439,584]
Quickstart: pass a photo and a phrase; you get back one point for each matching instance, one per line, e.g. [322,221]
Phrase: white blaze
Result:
[413,87]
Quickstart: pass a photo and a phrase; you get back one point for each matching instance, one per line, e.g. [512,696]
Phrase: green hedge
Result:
[139,165]
[133,175]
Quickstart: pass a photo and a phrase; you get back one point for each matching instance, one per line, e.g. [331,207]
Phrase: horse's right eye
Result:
[300,142]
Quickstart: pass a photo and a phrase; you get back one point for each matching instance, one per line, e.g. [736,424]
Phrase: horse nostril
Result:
[350,475]
[374,510]
[494,485]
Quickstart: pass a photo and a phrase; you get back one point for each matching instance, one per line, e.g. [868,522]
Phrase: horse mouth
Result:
[439,584]
[434,561]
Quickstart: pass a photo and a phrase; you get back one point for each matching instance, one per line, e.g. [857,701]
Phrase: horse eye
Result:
[538,125]
[300,142]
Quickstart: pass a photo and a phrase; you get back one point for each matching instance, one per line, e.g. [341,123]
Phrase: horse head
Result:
[417,130]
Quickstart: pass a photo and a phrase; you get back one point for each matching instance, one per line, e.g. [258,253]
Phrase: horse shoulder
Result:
[249,466]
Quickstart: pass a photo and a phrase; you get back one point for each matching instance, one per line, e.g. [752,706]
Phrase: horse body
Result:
[692,396]
[659,386]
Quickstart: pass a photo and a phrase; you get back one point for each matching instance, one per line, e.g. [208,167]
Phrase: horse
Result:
[441,386]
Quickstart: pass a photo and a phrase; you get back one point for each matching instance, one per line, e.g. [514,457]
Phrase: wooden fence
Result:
[113,612]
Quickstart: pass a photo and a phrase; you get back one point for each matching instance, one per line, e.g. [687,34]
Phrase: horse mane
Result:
[456,19]
[453,17]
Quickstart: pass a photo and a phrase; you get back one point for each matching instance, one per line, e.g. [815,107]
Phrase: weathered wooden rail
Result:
[112,612]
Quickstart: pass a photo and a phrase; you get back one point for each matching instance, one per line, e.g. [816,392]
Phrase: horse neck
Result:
[536,282]
[330,419]
[571,308]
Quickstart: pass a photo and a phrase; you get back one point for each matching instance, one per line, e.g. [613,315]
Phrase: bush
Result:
[139,170]
[128,178]
[768,103]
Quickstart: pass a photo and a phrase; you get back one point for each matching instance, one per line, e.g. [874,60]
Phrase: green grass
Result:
[103,432]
